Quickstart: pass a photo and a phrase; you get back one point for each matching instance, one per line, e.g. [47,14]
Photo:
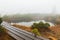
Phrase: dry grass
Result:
[56,30]
[45,34]
[23,27]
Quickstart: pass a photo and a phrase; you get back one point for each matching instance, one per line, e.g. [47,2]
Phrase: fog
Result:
[29,6]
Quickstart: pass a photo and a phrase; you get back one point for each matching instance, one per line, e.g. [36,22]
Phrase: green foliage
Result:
[2,30]
[47,25]
[40,25]
[0,20]
[35,25]
[36,32]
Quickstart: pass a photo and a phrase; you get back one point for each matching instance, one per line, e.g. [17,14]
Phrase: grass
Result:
[22,27]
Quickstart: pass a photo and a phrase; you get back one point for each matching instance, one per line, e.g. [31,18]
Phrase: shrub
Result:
[35,31]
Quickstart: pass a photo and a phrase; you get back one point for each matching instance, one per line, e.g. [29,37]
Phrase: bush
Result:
[0,20]
[40,25]
[36,32]
[2,30]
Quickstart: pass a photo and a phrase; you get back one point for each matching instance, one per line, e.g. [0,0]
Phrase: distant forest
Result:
[54,18]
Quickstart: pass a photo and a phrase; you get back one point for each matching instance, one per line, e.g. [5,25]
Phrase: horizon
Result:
[29,6]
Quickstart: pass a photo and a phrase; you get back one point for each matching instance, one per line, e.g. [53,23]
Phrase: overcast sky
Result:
[29,6]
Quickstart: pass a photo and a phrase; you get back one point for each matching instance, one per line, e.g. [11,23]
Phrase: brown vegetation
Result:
[23,27]
[56,30]
[4,35]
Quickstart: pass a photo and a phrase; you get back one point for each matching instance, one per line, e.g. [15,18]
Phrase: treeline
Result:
[53,19]
[22,17]
[32,17]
